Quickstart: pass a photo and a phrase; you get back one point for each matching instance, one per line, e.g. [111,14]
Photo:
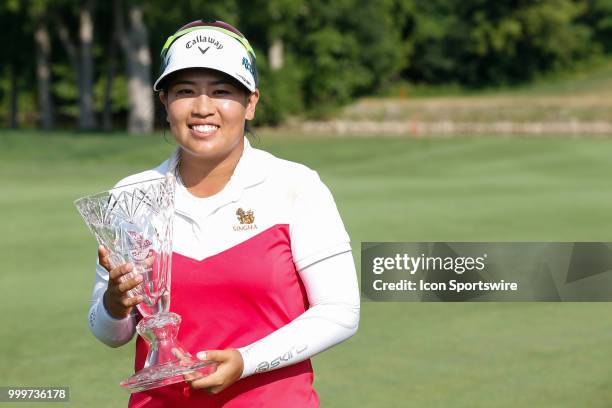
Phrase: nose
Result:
[203,105]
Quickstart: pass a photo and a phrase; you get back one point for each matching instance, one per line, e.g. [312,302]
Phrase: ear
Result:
[164,100]
[252,100]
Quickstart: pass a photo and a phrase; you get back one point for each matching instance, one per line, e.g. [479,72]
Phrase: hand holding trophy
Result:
[134,223]
[116,299]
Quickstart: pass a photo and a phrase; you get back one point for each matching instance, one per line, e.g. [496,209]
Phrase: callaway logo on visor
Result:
[204,39]
[233,53]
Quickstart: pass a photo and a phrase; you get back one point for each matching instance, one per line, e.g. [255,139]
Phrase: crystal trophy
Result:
[134,223]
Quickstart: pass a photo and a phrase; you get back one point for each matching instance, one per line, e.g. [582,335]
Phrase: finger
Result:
[103,258]
[211,355]
[209,382]
[178,353]
[214,381]
[129,284]
[192,376]
[184,358]
[216,390]
[131,301]
[119,271]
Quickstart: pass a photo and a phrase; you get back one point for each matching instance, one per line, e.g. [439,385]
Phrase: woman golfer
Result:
[262,271]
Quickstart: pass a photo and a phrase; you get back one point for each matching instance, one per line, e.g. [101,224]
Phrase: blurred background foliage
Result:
[313,56]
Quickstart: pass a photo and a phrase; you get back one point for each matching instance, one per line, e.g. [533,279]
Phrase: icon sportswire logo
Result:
[246,219]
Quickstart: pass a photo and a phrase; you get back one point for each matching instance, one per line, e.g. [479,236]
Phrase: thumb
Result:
[210,355]
[103,257]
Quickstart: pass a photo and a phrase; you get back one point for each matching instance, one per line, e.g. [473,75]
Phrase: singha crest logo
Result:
[245,217]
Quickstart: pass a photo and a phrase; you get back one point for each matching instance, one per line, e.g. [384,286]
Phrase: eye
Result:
[221,92]
[184,91]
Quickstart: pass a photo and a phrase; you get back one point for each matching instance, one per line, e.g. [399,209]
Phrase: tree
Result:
[87,118]
[134,42]
[14,19]
[348,49]
[43,70]
[478,42]
[273,21]
[598,15]
[81,56]
[110,38]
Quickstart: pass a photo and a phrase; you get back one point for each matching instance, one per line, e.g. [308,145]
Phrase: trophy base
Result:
[165,374]
[166,360]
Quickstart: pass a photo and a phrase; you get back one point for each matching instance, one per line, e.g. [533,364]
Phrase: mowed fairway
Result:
[405,354]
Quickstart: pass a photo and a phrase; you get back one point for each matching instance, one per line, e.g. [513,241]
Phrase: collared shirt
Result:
[235,273]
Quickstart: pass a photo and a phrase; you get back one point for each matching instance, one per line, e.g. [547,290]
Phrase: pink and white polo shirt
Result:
[236,257]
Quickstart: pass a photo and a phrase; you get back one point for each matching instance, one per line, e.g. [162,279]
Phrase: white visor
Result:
[209,48]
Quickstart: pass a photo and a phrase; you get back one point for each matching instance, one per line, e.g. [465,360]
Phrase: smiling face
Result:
[207,110]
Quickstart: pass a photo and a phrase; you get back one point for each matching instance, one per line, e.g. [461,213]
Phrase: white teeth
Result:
[205,128]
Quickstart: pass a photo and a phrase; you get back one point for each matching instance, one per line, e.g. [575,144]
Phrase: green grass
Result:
[405,354]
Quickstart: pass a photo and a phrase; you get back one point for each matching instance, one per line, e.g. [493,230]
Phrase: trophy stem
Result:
[167,360]
[160,331]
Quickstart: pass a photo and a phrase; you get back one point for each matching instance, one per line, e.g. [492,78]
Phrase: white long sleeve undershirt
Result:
[110,331]
[333,316]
